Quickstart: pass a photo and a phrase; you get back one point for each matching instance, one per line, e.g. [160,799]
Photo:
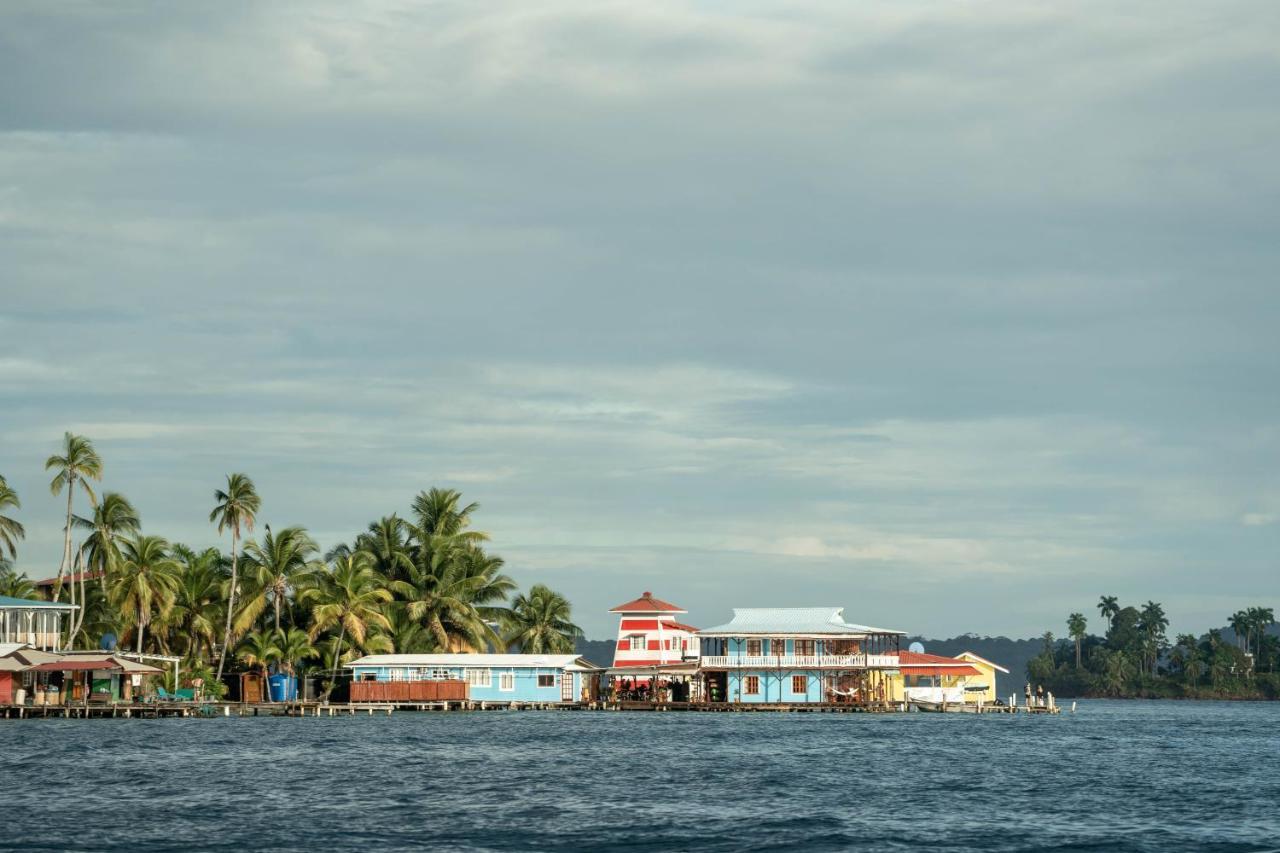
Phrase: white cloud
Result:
[1259,519]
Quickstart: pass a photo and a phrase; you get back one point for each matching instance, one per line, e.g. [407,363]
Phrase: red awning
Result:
[76,665]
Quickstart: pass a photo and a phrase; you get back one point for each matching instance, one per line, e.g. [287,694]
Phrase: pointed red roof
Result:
[918,663]
[647,604]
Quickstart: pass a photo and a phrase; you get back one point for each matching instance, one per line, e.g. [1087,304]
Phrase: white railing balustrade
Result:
[799,661]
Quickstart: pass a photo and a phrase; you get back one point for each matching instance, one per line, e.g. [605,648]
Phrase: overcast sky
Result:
[955,314]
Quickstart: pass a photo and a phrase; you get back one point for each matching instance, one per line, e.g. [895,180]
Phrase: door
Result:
[566,687]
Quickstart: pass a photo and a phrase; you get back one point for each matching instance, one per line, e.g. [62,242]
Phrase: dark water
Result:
[1159,776]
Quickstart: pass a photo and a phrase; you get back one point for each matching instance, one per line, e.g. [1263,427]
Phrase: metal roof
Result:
[791,620]
[7,602]
[575,662]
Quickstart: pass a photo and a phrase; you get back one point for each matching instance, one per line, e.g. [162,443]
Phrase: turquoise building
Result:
[783,655]
[542,679]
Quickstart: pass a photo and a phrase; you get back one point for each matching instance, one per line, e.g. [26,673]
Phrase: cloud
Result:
[975,300]
[1259,519]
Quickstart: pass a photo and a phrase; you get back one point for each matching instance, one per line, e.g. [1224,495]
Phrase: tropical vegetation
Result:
[420,582]
[1135,656]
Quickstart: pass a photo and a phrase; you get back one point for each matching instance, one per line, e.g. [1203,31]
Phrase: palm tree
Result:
[387,542]
[450,592]
[113,518]
[260,649]
[1153,624]
[15,585]
[351,597]
[198,604]
[78,463]
[295,646]
[539,623]
[406,635]
[237,507]
[1260,618]
[280,564]
[146,583]
[1076,627]
[1239,623]
[439,514]
[1108,606]
[10,530]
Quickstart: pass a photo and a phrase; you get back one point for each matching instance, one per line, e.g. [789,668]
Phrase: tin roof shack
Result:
[34,676]
[33,623]
[97,677]
[793,655]
[537,679]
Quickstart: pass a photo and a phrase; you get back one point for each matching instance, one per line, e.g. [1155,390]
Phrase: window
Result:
[804,647]
[546,681]
[778,646]
[479,678]
[507,681]
[368,676]
[751,684]
[753,648]
[799,684]
[439,675]
[637,642]
[397,674]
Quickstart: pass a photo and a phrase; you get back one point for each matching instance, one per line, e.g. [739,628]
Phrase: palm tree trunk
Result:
[142,630]
[66,541]
[231,600]
[337,656]
[276,597]
[1077,652]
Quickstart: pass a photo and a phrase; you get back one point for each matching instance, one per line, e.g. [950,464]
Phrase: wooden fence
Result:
[408,691]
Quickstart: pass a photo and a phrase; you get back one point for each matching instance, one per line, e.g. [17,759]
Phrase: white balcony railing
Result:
[800,661]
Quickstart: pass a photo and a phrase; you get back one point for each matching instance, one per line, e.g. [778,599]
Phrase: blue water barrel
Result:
[283,688]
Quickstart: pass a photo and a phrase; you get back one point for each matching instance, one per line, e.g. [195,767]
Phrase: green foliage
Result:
[1135,659]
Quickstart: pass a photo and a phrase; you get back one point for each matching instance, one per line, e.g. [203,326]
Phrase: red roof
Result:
[65,665]
[674,624]
[925,664]
[647,604]
[71,578]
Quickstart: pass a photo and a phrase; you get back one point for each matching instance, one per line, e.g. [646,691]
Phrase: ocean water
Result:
[1143,776]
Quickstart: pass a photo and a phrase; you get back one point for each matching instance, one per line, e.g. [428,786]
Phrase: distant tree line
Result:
[422,583]
[1135,657]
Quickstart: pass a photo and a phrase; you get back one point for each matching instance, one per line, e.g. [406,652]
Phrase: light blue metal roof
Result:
[791,620]
[23,603]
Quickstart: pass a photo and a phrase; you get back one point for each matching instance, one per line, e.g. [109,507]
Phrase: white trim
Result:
[478,677]
[509,679]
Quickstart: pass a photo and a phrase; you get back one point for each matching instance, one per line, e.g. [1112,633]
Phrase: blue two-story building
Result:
[541,679]
[784,655]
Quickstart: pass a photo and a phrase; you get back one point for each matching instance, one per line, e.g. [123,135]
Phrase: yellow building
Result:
[934,678]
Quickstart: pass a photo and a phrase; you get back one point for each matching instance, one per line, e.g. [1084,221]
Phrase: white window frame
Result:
[479,677]
[638,642]
[507,681]
[440,674]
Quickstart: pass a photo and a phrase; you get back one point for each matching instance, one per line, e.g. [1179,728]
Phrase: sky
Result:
[954,314]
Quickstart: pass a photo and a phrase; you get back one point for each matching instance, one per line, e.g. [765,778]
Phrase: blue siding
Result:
[774,686]
[524,682]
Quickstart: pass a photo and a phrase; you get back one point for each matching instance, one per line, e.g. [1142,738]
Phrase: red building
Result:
[649,635]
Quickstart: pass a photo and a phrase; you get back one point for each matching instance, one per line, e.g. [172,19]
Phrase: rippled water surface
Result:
[1158,776]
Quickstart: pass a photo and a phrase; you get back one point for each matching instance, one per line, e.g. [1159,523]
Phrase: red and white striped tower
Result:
[649,635]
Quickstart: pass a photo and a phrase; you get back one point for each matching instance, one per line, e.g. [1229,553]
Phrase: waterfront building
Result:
[936,678]
[649,635]
[38,677]
[782,655]
[542,679]
[37,624]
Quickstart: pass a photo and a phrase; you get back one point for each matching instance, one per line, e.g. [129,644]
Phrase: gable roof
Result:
[792,620]
[978,658]
[646,603]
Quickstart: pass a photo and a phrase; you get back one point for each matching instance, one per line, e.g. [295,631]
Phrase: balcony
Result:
[800,661]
